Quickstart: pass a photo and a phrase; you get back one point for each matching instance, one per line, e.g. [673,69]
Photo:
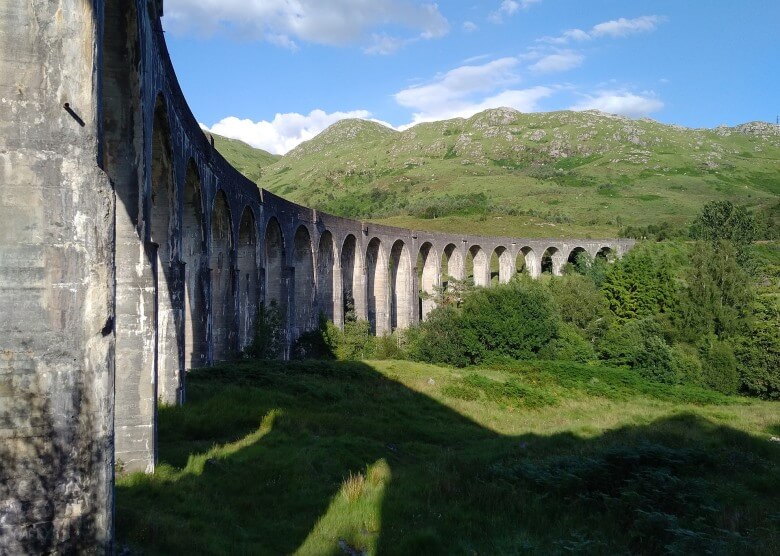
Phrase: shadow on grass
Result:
[337,458]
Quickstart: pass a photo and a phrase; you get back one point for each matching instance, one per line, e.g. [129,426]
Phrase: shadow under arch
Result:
[246,267]
[223,333]
[193,256]
[478,266]
[402,296]
[606,253]
[353,285]
[501,260]
[165,267]
[576,255]
[328,302]
[275,255]
[552,261]
[450,484]
[377,288]
[429,278]
[452,265]
[528,262]
[303,263]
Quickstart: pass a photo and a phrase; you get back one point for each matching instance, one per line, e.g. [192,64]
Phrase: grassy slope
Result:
[245,158]
[553,174]
[402,458]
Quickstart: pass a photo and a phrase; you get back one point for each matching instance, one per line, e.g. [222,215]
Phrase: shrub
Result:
[579,302]
[319,343]
[355,341]
[641,284]
[568,346]
[515,320]
[758,352]
[639,344]
[720,368]
[439,339]
[269,339]
[718,294]
[390,347]
[722,220]
[654,361]
[687,364]
[621,345]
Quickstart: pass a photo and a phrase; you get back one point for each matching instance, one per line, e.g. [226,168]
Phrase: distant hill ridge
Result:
[503,171]
[247,159]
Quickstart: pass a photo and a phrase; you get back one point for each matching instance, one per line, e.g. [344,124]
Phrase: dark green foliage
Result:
[655,361]
[717,297]
[758,352]
[447,205]
[440,339]
[720,368]
[580,302]
[641,283]
[648,488]
[686,364]
[622,344]
[390,347]
[657,232]
[722,220]
[639,344]
[269,339]
[672,307]
[516,320]
[569,345]
[354,342]
[319,343]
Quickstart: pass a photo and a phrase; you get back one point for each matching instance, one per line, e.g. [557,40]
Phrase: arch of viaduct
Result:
[132,251]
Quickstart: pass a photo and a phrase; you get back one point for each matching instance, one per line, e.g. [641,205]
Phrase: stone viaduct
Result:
[131,251]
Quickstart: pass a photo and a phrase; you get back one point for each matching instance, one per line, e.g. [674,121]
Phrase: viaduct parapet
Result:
[131,251]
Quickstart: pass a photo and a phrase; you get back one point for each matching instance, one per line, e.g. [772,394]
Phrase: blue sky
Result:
[276,72]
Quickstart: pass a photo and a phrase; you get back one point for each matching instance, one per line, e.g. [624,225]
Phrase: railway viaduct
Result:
[131,251]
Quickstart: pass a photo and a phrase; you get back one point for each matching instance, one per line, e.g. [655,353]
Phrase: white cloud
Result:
[466,90]
[621,102]
[458,84]
[576,35]
[284,22]
[616,28]
[385,44]
[509,8]
[560,61]
[623,27]
[470,26]
[284,132]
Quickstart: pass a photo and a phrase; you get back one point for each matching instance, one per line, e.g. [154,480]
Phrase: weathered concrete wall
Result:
[56,283]
[131,251]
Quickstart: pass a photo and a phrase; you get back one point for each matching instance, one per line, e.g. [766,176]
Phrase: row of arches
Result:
[199,291]
[340,281]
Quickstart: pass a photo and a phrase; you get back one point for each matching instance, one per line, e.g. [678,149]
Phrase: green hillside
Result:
[245,158]
[551,174]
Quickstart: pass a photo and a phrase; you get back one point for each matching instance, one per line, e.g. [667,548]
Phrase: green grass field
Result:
[394,457]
